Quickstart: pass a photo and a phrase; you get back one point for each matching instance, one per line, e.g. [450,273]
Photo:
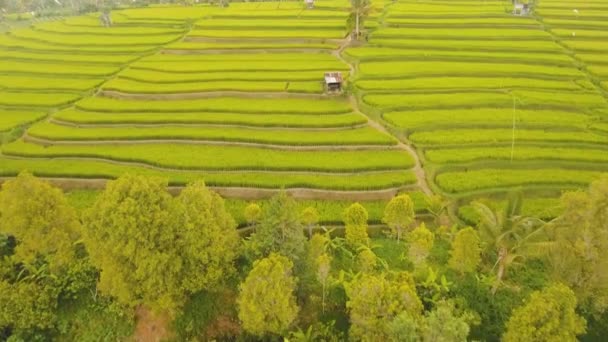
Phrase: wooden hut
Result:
[333,81]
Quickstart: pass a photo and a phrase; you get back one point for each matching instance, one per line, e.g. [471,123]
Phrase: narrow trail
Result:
[421,180]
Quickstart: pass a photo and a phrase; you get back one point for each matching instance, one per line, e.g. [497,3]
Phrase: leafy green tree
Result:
[366,261]
[579,258]
[154,250]
[444,324]
[549,315]
[310,218]
[280,230]
[355,220]
[27,305]
[421,241]
[510,236]
[374,301]
[39,217]
[404,328]
[253,214]
[323,264]
[399,214]
[267,304]
[437,206]
[466,251]
[208,242]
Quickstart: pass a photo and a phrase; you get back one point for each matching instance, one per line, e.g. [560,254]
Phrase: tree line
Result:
[511,277]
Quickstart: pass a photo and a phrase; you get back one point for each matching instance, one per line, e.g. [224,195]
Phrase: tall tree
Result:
[549,315]
[466,251]
[420,242]
[374,301]
[253,214]
[509,236]
[355,220]
[444,324]
[41,220]
[580,259]
[154,250]
[267,304]
[399,214]
[310,218]
[280,230]
[359,9]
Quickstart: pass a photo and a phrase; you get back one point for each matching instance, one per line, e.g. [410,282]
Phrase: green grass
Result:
[217,157]
[356,136]
[248,66]
[544,208]
[479,136]
[265,120]
[222,104]
[10,119]
[58,68]
[169,77]
[458,182]
[523,99]
[47,83]
[431,83]
[394,69]
[461,33]
[30,99]
[486,117]
[463,155]
[100,169]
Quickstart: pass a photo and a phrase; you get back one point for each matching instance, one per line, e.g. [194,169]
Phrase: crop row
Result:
[50,82]
[93,39]
[486,117]
[463,155]
[99,169]
[575,23]
[462,83]
[461,33]
[62,28]
[131,86]
[519,98]
[65,57]
[268,33]
[465,181]
[506,21]
[481,136]
[252,45]
[395,69]
[366,53]
[9,41]
[482,45]
[10,66]
[220,104]
[279,24]
[355,136]
[592,46]
[249,66]
[153,76]
[242,57]
[10,119]
[31,99]
[222,158]
[258,120]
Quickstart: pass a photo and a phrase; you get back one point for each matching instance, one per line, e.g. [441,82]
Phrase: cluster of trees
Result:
[512,277]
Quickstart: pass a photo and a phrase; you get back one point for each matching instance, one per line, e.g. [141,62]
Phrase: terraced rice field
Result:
[460,97]
[491,101]
[234,96]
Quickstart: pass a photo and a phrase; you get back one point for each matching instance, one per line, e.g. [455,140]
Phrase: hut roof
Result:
[333,77]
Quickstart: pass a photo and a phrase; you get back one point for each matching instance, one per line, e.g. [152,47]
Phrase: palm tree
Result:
[512,236]
[359,9]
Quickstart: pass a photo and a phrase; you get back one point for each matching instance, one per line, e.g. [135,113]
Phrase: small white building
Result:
[309,3]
